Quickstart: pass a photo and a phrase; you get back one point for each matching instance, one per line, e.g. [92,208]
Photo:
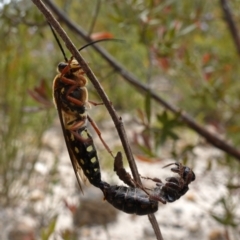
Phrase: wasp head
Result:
[72,66]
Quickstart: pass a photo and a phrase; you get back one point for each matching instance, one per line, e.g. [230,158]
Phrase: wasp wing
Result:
[75,164]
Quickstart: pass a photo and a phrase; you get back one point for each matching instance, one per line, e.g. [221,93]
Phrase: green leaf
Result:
[167,128]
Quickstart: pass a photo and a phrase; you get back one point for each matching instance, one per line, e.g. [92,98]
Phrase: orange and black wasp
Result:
[70,97]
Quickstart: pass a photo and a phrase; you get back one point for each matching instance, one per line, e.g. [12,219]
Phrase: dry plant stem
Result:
[232,26]
[129,77]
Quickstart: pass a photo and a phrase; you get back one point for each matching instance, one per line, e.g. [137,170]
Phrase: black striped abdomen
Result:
[86,155]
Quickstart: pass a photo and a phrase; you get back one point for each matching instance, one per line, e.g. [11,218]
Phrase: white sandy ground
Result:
[185,219]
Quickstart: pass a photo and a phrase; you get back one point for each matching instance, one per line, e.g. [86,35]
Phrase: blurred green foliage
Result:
[182,49]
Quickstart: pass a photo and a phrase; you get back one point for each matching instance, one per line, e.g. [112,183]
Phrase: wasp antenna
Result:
[59,44]
[168,165]
[100,40]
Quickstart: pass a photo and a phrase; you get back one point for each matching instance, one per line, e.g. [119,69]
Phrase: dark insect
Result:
[129,199]
[175,187]
[178,186]
[141,201]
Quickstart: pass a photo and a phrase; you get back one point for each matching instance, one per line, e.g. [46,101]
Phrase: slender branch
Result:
[133,80]
[95,15]
[231,24]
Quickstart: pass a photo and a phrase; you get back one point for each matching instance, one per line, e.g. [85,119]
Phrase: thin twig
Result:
[133,80]
[231,24]
[95,15]
[117,121]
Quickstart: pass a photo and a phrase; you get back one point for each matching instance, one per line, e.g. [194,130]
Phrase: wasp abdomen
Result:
[128,199]
[86,155]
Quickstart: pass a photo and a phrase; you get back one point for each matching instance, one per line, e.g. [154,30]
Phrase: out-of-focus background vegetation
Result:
[182,49]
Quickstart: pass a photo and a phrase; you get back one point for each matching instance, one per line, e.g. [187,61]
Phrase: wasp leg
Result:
[151,196]
[169,165]
[157,198]
[157,180]
[95,103]
[80,138]
[94,125]
[75,100]
[77,128]
[67,80]
[179,169]
[174,183]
